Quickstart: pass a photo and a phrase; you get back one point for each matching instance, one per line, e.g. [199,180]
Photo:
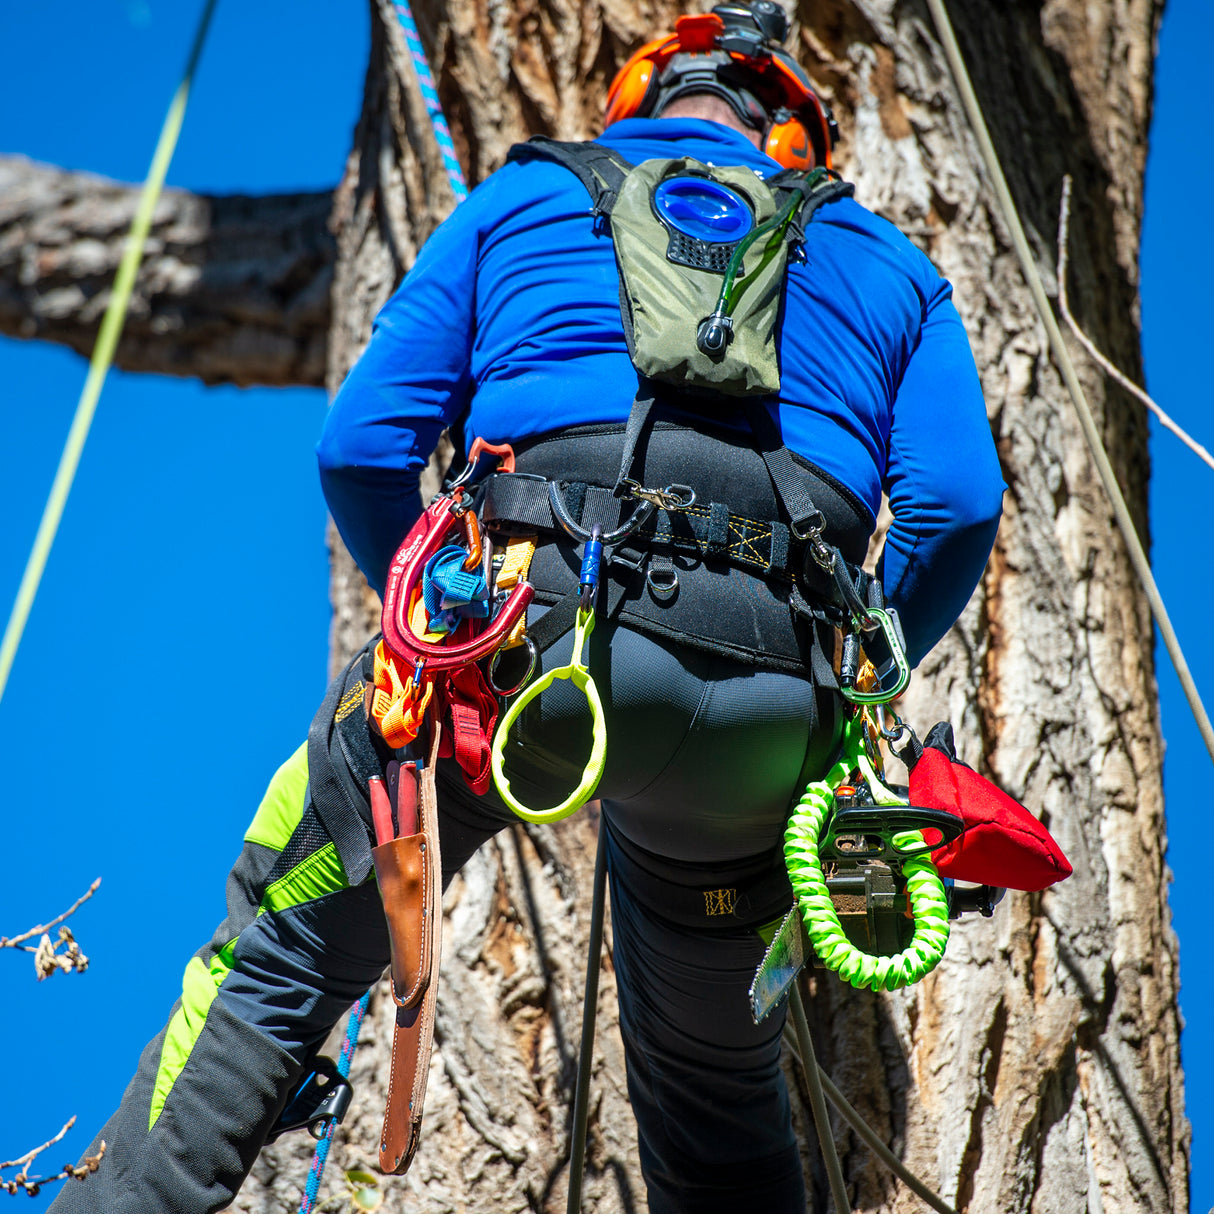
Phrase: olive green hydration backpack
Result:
[702,252]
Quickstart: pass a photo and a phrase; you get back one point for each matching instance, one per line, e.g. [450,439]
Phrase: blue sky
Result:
[178,644]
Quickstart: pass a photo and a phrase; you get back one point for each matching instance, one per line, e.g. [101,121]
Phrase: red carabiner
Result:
[422,542]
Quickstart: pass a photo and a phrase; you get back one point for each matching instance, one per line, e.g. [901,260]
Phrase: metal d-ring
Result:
[505,693]
[664,588]
[561,511]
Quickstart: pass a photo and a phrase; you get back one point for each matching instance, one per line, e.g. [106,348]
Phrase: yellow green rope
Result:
[929,903]
[103,356]
[577,673]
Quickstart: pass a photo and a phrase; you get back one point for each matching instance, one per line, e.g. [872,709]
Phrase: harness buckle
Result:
[673,497]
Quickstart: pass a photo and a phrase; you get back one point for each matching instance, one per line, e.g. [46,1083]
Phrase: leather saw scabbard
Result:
[409,870]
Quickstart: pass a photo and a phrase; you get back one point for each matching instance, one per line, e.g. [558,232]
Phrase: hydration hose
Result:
[928,900]
[715,331]
[577,673]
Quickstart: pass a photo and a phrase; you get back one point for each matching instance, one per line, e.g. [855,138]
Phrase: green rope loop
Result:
[929,902]
[577,673]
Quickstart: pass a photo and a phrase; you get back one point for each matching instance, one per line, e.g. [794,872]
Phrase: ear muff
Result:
[788,143]
[811,115]
[635,84]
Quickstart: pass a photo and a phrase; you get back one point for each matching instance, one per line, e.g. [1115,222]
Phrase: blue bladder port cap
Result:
[702,209]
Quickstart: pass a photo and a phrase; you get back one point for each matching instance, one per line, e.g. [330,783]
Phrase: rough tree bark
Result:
[231,289]
[1038,1068]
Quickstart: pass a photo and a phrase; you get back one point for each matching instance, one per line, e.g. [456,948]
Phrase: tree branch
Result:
[232,289]
[47,958]
[22,1182]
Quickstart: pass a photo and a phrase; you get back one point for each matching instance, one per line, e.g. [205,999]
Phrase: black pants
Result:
[705,757]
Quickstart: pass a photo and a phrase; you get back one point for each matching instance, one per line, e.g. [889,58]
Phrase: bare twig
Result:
[25,1160]
[22,1182]
[47,957]
[1109,369]
[13,942]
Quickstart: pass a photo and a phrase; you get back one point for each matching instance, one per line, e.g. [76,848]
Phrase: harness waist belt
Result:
[522,501]
[725,577]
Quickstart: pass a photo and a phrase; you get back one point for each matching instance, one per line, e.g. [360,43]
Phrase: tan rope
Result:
[1138,557]
[1064,223]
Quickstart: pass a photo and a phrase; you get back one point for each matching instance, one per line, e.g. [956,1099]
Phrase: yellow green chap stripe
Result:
[282,807]
[320,874]
[198,990]
[314,877]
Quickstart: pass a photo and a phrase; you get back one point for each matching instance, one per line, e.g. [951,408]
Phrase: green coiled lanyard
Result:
[928,900]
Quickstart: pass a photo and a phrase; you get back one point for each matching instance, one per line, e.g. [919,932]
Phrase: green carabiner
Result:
[580,677]
[888,655]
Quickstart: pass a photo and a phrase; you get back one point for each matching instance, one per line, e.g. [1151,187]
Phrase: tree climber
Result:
[715,654]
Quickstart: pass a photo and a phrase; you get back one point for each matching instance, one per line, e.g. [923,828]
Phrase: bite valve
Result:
[714,335]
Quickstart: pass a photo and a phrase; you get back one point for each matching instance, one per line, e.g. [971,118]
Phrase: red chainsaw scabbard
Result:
[1002,844]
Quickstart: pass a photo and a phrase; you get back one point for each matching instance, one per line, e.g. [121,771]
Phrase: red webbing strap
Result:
[472,708]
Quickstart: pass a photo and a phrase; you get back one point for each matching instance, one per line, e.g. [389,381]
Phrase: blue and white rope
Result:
[459,187]
[321,1156]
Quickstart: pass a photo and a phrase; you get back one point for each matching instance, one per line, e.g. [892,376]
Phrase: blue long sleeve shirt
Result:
[509,323]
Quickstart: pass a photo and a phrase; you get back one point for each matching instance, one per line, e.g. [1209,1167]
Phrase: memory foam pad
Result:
[1002,844]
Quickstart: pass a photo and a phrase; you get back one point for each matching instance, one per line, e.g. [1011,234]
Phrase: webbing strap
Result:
[334,795]
[817,191]
[709,529]
[473,710]
[599,169]
[638,416]
[554,623]
[789,485]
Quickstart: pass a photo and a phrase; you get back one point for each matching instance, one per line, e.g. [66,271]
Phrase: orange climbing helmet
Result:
[734,52]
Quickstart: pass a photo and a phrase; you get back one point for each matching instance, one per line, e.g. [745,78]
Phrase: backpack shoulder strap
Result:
[817,187]
[599,169]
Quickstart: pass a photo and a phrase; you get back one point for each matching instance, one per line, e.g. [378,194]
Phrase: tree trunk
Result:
[1038,1068]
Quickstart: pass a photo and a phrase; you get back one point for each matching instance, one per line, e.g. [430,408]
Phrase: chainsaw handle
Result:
[885,822]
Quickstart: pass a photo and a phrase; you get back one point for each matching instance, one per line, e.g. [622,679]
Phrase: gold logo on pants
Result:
[720,901]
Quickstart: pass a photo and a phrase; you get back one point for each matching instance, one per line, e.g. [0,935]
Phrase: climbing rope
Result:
[434,107]
[796,1034]
[103,354]
[928,900]
[1138,557]
[321,1155]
